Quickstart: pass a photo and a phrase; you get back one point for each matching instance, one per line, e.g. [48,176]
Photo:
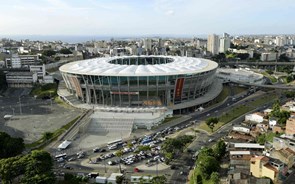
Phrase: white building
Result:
[21,79]
[213,44]
[243,51]
[138,179]
[112,178]
[2,64]
[280,41]
[241,129]
[269,56]
[22,50]
[272,122]
[39,69]
[21,61]
[254,118]
[224,43]
[239,75]
[147,43]
[15,62]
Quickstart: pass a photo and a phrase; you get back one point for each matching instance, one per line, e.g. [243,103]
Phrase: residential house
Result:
[255,117]
[262,166]
[283,143]
[272,121]
[278,129]
[290,126]
[286,155]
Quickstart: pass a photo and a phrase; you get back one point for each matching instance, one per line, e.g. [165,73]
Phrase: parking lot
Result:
[32,117]
[138,155]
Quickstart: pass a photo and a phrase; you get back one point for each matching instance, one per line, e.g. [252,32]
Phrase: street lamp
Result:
[50,99]
[157,171]
[105,166]
[20,106]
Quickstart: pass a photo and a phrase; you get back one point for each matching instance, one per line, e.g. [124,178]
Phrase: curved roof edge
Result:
[103,67]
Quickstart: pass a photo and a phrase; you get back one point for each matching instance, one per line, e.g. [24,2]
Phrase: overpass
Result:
[278,86]
[259,63]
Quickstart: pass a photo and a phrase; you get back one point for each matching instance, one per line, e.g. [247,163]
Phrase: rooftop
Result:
[248,145]
[129,66]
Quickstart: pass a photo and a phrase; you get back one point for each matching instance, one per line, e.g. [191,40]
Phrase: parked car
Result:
[136,169]
[95,150]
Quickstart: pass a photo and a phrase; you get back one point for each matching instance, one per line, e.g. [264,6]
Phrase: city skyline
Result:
[157,17]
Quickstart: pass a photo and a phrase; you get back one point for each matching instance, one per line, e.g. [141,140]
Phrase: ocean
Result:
[84,38]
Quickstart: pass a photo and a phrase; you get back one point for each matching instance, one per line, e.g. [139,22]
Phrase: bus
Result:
[116,142]
[63,155]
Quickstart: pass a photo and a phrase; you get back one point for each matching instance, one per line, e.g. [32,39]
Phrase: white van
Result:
[7,116]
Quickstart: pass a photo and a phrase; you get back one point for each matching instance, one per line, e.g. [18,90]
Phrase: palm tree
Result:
[119,154]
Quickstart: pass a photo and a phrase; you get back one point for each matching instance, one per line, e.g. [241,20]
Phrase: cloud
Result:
[167,7]
[169,12]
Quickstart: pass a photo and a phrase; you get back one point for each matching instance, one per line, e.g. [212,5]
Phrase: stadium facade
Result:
[139,81]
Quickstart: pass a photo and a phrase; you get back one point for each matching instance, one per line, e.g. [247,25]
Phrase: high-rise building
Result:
[280,41]
[147,43]
[224,43]
[213,44]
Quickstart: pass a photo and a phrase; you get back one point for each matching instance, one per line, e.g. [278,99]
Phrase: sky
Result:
[146,17]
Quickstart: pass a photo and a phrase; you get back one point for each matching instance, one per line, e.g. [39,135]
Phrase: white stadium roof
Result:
[103,67]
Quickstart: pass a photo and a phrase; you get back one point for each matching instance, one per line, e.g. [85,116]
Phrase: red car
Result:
[136,169]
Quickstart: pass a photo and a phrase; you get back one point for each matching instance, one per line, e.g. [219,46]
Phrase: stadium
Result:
[139,81]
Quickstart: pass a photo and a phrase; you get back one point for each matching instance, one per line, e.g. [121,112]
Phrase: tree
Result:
[199,179]
[289,78]
[207,165]
[143,148]
[70,179]
[65,51]
[290,94]
[49,53]
[211,122]
[129,145]
[119,154]
[283,116]
[214,177]
[119,179]
[276,109]
[219,149]
[256,56]
[47,136]
[35,167]
[38,168]
[3,83]
[57,58]
[9,146]
[10,168]
[284,58]
[159,180]
[174,146]
[261,139]
[206,152]
[243,56]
